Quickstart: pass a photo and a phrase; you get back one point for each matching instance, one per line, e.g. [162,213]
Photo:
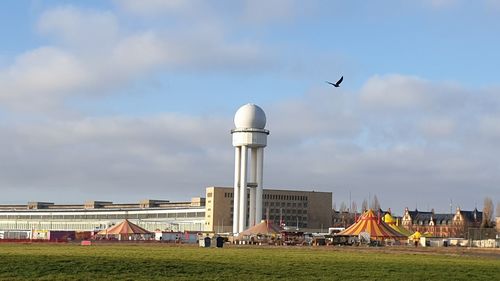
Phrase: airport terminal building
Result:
[307,210]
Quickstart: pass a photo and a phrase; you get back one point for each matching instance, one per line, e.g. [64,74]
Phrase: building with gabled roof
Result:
[442,225]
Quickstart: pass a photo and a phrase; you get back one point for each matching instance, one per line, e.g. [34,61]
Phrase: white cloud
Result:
[395,92]
[39,78]
[92,56]
[81,29]
[437,127]
[145,156]
[489,125]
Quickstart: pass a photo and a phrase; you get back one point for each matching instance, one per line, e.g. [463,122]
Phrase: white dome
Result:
[250,116]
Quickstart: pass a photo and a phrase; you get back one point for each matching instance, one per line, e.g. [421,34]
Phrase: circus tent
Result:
[126,231]
[388,219]
[263,228]
[417,235]
[373,225]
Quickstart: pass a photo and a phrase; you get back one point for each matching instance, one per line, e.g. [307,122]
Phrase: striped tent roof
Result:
[125,227]
[370,223]
[263,228]
[388,219]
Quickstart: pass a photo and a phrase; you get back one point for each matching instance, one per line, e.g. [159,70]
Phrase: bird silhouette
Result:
[336,85]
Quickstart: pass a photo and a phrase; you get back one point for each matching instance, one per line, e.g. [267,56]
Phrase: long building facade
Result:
[98,215]
[307,210]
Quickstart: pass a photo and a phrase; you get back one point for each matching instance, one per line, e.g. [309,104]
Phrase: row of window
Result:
[288,218]
[274,197]
[285,197]
[275,211]
[283,204]
[286,211]
[104,216]
[191,226]
[443,222]
[288,204]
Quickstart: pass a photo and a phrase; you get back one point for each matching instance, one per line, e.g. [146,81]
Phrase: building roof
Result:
[106,205]
[473,216]
[426,217]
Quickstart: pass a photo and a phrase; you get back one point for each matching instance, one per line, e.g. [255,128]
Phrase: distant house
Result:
[442,225]
[343,218]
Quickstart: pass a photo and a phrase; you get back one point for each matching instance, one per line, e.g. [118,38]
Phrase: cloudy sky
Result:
[128,100]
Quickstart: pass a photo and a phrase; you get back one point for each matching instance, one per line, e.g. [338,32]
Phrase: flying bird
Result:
[336,85]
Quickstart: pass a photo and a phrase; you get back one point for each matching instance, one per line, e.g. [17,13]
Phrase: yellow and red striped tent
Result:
[388,219]
[373,225]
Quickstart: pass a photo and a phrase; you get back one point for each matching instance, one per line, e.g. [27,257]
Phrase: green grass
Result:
[160,262]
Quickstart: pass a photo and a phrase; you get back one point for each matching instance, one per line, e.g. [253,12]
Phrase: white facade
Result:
[249,140]
[180,219]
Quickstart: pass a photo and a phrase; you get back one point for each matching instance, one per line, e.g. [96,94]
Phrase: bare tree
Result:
[343,207]
[364,206]
[375,205]
[498,209]
[487,212]
[354,207]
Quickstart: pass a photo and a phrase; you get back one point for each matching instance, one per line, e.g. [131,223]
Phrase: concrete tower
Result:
[249,139]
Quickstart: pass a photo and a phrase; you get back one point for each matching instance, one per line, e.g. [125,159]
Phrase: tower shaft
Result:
[249,140]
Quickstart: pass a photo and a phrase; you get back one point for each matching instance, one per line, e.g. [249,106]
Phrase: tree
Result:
[364,206]
[498,209]
[374,204]
[487,212]
[354,207]
[343,207]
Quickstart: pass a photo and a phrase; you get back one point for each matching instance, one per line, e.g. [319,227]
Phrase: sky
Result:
[128,100]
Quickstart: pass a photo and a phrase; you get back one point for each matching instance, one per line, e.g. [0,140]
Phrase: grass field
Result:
[162,262]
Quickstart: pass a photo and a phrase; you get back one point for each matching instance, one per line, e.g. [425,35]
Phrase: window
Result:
[209,194]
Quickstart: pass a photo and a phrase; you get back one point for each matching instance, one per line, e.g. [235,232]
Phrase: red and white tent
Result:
[126,231]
